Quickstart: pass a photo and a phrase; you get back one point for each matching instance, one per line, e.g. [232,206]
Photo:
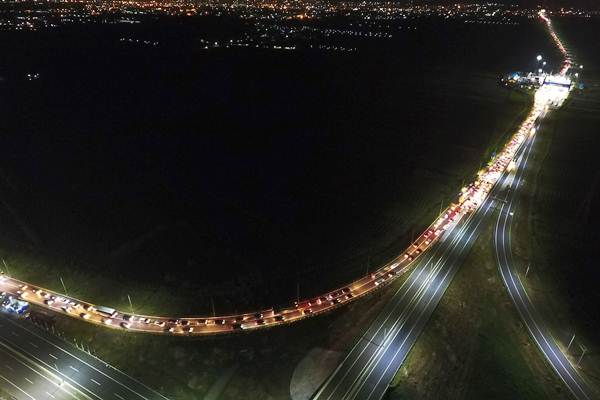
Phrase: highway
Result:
[36,365]
[371,364]
[533,320]
[468,200]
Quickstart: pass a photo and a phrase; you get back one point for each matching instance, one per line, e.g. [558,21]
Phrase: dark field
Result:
[174,173]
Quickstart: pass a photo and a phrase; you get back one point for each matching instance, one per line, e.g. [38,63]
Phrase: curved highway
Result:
[469,200]
[371,364]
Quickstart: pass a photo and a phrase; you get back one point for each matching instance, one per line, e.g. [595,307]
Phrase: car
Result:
[346,290]
[303,304]
[84,316]
[379,281]
[126,318]
[307,311]
[49,302]
[258,315]
[349,296]
[185,322]
[125,325]
[260,321]
[107,321]
[219,322]
[280,318]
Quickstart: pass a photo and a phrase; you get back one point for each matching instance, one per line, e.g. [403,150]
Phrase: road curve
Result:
[369,367]
[469,200]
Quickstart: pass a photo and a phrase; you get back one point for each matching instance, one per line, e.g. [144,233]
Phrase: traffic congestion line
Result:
[468,200]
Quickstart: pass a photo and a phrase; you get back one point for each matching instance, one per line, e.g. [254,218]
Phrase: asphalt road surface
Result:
[35,365]
[538,329]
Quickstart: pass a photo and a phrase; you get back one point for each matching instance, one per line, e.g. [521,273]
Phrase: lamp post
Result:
[570,342]
[63,285]
[6,267]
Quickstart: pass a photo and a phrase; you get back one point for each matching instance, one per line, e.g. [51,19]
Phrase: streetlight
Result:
[581,67]
[540,70]
[544,63]
[539,58]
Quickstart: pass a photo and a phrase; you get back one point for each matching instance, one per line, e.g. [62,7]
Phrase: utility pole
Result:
[570,342]
[63,285]
[212,305]
[6,267]
[582,354]
[527,270]
[130,304]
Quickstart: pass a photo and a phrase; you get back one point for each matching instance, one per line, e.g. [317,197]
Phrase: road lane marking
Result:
[73,368]
[18,388]
[24,357]
[34,345]
[53,356]
[9,367]
[29,380]
[65,351]
[119,396]
[95,381]
[50,394]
